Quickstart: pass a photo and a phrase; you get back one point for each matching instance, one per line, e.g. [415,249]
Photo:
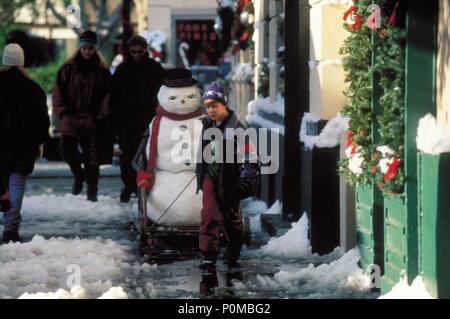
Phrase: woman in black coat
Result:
[24,125]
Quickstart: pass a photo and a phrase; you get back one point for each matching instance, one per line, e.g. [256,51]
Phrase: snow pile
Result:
[339,279]
[76,292]
[431,137]
[114,293]
[48,265]
[330,136]
[257,109]
[403,291]
[293,244]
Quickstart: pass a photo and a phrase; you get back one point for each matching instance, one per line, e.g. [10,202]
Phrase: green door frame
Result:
[401,212]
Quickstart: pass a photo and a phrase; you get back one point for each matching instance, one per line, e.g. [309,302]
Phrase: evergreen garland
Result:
[390,64]
[357,62]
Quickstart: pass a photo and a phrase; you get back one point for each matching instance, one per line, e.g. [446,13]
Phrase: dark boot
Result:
[11,237]
[92,193]
[209,282]
[77,186]
[209,273]
[125,194]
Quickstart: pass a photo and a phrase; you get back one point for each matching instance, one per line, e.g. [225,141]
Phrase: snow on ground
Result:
[402,290]
[76,292]
[95,240]
[302,274]
[68,215]
[44,265]
[293,244]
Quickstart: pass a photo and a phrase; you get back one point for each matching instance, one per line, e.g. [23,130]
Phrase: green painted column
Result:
[369,225]
[435,223]
[400,212]
[369,200]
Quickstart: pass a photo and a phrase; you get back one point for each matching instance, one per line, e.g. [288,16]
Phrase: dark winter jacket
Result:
[3,186]
[236,180]
[24,121]
[134,95]
[80,96]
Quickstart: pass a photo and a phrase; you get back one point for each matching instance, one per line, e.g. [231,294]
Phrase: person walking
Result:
[24,125]
[133,103]
[5,204]
[80,99]
[223,183]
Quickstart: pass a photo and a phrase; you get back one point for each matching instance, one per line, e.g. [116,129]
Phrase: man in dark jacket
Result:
[24,125]
[133,102]
[80,98]
[224,180]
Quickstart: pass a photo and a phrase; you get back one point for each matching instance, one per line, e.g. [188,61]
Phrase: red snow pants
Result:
[216,218]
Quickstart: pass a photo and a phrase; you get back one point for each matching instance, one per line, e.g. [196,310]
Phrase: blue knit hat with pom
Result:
[215,92]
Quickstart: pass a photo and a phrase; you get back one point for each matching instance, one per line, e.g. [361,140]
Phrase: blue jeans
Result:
[13,218]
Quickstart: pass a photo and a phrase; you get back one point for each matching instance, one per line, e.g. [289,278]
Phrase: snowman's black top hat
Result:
[177,78]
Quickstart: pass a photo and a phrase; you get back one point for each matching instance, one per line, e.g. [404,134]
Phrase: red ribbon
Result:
[357,17]
[350,142]
[392,169]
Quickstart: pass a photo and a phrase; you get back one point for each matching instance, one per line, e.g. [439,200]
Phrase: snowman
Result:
[171,149]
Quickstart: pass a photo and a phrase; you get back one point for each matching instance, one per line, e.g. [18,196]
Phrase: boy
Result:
[224,180]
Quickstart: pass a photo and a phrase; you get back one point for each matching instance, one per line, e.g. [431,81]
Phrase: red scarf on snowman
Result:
[146,178]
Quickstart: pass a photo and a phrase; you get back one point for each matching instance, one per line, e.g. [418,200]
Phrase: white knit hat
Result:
[13,55]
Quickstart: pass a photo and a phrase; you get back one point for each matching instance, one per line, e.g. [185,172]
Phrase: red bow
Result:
[392,169]
[357,17]
[350,142]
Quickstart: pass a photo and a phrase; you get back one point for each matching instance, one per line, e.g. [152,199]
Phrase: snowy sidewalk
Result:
[48,169]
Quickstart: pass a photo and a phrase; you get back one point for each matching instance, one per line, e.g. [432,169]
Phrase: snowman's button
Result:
[185,146]
[187,163]
[183,127]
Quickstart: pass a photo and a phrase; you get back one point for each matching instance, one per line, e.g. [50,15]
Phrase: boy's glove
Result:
[145,179]
[5,205]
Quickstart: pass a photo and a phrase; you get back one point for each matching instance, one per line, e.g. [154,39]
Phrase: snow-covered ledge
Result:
[330,135]
[431,137]
[258,108]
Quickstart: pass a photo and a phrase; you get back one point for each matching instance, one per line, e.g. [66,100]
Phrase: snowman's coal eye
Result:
[172,98]
[192,96]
